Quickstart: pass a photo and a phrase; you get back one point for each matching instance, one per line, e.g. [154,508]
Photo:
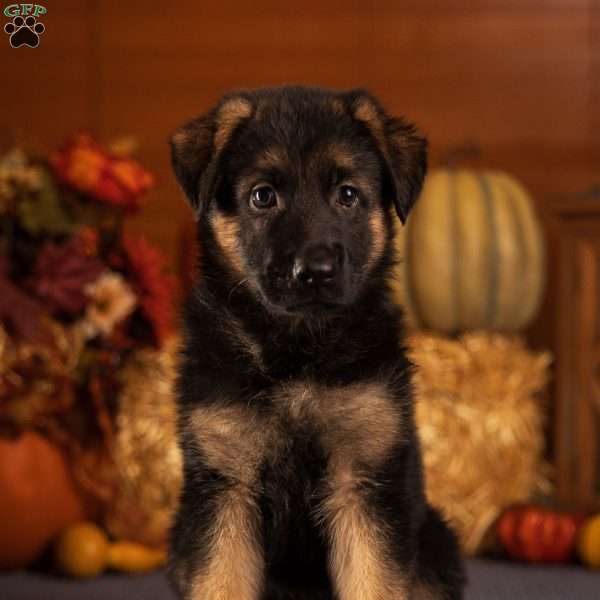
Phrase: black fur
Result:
[343,332]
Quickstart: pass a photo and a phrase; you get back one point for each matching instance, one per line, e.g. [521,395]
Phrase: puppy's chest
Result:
[358,421]
[352,424]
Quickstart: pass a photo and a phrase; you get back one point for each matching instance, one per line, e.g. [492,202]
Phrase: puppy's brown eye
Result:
[263,196]
[347,196]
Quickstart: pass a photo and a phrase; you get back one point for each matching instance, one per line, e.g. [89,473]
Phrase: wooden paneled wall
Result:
[520,78]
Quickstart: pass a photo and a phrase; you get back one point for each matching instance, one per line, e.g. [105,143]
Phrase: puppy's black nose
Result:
[318,264]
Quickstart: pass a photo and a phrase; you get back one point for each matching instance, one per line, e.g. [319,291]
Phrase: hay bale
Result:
[481,423]
[146,455]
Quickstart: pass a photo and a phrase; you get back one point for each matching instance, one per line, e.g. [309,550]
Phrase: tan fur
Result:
[359,562]
[227,233]
[230,114]
[341,155]
[378,236]
[357,423]
[366,112]
[244,341]
[338,106]
[181,137]
[272,158]
[235,567]
[232,439]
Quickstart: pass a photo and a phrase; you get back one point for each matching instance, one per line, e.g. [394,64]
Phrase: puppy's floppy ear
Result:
[197,146]
[403,149]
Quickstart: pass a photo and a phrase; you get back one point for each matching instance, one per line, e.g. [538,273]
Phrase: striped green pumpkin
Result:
[473,254]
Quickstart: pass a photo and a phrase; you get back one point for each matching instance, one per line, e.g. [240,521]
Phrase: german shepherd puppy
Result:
[302,476]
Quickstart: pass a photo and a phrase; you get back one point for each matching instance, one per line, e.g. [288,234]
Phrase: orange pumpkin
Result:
[38,499]
[538,535]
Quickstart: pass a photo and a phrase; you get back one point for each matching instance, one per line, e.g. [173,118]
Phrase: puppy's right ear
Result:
[197,146]
[191,153]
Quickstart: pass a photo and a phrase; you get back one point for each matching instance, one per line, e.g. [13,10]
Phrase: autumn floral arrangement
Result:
[78,297]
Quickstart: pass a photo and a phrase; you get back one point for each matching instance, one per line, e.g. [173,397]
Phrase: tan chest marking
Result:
[357,422]
[233,440]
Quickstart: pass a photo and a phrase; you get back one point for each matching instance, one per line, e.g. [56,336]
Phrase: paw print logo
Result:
[24,32]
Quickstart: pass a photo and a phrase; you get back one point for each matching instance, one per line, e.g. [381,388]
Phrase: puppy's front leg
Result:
[234,565]
[217,549]
[226,558]
[360,562]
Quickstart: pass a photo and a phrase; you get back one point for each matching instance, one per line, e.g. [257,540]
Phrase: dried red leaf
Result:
[61,273]
[155,288]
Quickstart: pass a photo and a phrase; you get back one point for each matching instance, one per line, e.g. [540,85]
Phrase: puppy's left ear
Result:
[403,150]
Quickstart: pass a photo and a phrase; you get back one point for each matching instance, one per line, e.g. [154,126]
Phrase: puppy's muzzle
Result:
[311,278]
[318,265]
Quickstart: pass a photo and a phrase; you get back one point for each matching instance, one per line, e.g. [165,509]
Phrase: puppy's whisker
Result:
[235,287]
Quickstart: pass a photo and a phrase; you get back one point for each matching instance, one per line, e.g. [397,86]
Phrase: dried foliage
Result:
[481,422]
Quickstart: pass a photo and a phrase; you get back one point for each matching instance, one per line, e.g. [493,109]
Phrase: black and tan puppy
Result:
[303,476]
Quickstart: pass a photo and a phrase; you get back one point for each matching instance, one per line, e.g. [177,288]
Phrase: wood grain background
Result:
[521,78]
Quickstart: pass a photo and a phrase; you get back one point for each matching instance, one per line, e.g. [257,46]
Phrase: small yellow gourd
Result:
[588,544]
[84,551]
